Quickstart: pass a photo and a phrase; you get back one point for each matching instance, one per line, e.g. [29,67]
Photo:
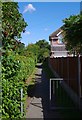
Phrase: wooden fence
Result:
[70,69]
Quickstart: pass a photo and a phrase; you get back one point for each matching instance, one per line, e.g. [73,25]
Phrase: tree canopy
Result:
[40,50]
[12,24]
[44,50]
[43,44]
[15,67]
[73,33]
[18,61]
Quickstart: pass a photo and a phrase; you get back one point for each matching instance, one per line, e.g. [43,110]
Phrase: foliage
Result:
[38,51]
[15,71]
[44,49]
[13,24]
[16,68]
[43,44]
[18,61]
[73,32]
[43,54]
[32,50]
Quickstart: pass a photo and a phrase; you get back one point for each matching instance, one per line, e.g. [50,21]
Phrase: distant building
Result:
[57,46]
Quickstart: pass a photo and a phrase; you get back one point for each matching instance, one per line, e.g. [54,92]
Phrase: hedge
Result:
[15,70]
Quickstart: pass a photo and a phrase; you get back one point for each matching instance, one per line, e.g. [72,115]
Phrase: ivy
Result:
[14,73]
[16,68]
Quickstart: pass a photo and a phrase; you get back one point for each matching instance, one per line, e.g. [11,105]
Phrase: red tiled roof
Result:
[54,34]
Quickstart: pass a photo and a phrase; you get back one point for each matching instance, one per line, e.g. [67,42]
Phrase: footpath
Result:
[39,103]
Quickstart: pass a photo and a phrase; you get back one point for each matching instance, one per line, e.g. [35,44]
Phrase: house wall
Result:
[60,54]
[59,50]
[60,37]
[57,45]
[53,42]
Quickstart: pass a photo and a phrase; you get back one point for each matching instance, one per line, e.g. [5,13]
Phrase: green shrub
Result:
[15,70]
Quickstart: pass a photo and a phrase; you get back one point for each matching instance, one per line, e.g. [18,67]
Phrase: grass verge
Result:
[30,82]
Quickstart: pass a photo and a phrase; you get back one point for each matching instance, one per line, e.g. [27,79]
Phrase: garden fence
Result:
[70,69]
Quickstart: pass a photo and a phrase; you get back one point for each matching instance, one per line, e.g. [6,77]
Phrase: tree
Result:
[38,51]
[73,33]
[12,24]
[43,44]
[32,50]
[44,50]
[15,68]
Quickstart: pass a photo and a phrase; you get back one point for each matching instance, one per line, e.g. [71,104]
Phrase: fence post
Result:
[68,70]
[21,101]
[61,66]
[50,90]
[79,75]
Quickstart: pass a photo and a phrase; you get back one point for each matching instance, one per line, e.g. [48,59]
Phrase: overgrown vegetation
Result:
[16,67]
[44,50]
[40,50]
[73,33]
[18,61]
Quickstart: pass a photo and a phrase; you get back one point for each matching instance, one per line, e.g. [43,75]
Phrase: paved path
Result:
[39,104]
[35,109]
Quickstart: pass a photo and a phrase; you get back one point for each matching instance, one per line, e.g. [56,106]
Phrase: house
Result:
[57,46]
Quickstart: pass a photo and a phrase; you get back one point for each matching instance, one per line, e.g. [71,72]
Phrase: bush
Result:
[15,70]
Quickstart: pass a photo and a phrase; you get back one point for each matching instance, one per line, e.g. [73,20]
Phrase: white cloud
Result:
[29,8]
[27,33]
[46,29]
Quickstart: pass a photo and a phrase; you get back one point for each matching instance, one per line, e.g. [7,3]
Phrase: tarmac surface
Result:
[39,106]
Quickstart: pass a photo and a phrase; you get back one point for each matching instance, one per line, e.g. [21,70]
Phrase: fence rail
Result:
[70,69]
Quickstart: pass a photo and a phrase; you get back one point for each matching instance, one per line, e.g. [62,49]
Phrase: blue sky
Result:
[43,18]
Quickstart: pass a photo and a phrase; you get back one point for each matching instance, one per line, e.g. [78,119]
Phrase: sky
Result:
[43,18]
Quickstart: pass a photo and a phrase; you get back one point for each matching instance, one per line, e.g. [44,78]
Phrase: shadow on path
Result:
[41,91]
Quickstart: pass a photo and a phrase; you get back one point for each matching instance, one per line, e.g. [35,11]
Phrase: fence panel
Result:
[60,66]
[73,73]
[81,75]
[68,69]
[65,69]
